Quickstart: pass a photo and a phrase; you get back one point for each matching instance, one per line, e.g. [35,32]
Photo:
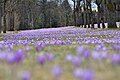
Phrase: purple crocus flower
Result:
[68,41]
[76,61]
[116,48]
[102,44]
[80,51]
[78,73]
[63,43]
[25,75]
[95,55]
[58,42]
[56,71]
[115,59]
[41,59]
[86,53]
[53,42]
[104,55]
[49,56]
[18,56]
[69,58]
[97,48]
[82,74]
[2,55]
[27,49]
[104,49]
[42,45]
[88,75]
[37,47]
[10,58]
[7,47]
[1,47]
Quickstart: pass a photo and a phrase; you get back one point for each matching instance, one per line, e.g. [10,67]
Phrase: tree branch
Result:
[4,1]
[98,2]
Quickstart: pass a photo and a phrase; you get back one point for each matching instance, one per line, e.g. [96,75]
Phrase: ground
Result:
[90,49]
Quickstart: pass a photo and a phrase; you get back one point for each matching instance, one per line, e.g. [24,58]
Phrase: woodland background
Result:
[35,14]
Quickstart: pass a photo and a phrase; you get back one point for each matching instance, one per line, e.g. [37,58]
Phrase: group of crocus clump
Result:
[37,40]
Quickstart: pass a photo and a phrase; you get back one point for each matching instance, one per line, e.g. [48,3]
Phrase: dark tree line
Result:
[33,14]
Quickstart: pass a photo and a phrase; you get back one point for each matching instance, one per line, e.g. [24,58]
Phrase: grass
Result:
[103,70]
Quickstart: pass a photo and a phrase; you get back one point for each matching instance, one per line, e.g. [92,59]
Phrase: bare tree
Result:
[78,11]
[4,15]
[0,17]
[111,6]
[74,13]
[11,8]
[98,3]
[85,13]
[66,9]
[90,14]
[44,5]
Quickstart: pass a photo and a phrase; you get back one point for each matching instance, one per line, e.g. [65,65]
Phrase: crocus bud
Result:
[41,59]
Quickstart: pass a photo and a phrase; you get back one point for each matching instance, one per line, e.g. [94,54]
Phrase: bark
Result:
[74,14]
[91,17]
[67,22]
[88,17]
[11,21]
[112,21]
[84,13]
[98,16]
[0,18]
[89,20]
[11,15]
[44,13]
[102,21]
[112,13]
[98,2]
[78,13]
[4,16]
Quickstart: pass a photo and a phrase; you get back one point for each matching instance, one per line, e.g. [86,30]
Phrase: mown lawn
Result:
[102,69]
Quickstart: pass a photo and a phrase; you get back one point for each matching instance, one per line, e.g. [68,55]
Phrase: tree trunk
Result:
[4,17]
[102,21]
[11,21]
[78,10]
[31,22]
[0,18]
[86,19]
[91,17]
[111,12]
[88,16]
[74,14]
[112,22]
[45,19]
[67,21]
[44,13]
[77,19]
[84,13]
[98,16]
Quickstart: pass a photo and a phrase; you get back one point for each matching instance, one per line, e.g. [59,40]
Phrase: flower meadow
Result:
[60,54]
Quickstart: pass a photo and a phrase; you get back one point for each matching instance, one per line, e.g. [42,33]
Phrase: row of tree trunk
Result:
[107,12]
[29,14]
